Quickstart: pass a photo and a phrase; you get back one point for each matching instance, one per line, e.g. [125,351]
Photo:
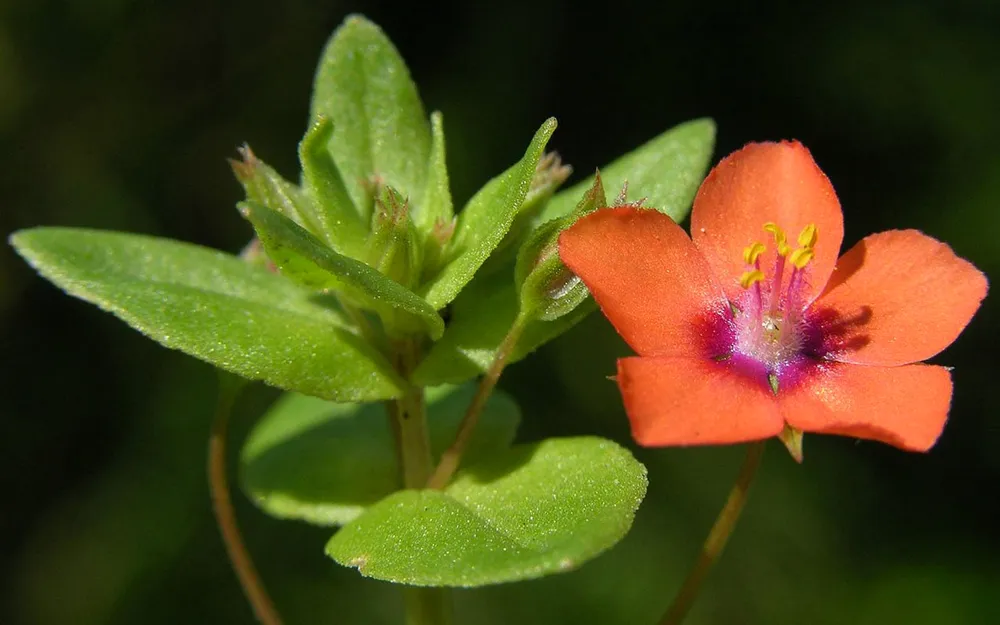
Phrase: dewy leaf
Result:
[480,318]
[325,463]
[303,258]
[215,307]
[380,130]
[485,220]
[666,171]
[339,221]
[531,511]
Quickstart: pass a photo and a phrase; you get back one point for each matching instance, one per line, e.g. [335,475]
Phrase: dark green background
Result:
[120,114]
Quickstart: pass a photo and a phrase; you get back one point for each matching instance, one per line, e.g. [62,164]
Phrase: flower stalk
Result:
[452,456]
[222,505]
[712,548]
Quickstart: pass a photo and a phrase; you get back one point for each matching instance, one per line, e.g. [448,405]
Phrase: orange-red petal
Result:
[689,401]
[897,297]
[903,406]
[648,278]
[761,183]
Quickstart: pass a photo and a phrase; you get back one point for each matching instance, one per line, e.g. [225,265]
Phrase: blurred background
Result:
[120,114]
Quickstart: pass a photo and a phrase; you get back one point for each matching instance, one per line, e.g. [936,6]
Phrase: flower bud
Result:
[394,244]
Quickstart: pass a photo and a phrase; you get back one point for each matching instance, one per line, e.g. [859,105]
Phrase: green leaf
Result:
[666,171]
[485,220]
[338,220]
[380,129]
[480,319]
[531,511]
[437,206]
[324,463]
[264,185]
[215,307]
[303,258]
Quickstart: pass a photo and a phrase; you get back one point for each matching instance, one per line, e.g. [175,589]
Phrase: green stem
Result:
[423,605]
[452,456]
[427,606]
[717,537]
[225,515]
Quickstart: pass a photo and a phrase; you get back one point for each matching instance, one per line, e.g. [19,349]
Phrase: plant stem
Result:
[225,516]
[409,420]
[717,537]
[452,456]
[408,414]
[427,606]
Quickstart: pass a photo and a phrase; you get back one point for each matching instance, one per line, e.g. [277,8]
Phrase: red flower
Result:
[744,333]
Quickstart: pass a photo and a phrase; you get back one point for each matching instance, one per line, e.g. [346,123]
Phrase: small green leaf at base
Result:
[531,511]
[325,463]
[215,307]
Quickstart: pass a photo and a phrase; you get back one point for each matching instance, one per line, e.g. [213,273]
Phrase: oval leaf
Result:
[483,223]
[380,129]
[304,258]
[531,511]
[215,307]
[324,463]
[666,171]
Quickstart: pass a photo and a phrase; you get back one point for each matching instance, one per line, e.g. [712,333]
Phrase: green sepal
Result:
[380,131]
[531,511]
[485,220]
[325,463]
[547,289]
[666,171]
[215,307]
[338,220]
[306,260]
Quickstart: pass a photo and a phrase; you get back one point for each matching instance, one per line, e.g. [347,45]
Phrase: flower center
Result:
[769,316]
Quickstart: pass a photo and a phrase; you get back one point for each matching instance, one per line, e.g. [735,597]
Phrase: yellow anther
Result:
[801,257]
[807,238]
[779,238]
[753,252]
[751,277]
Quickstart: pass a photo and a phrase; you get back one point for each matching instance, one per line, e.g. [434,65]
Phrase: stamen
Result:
[772,381]
[779,238]
[751,277]
[801,257]
[808,236]
[753,252]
